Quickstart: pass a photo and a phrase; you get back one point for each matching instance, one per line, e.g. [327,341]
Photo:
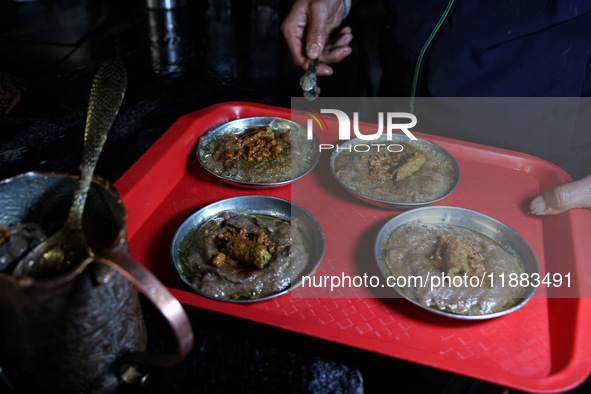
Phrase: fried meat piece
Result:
[251,249]
[249,252]
[394,165]
[219,259]
[439,253]
[410,166]
[457,257]
[256,145]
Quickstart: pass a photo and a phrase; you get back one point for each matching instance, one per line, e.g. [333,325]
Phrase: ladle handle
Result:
[166,303]
[106,95]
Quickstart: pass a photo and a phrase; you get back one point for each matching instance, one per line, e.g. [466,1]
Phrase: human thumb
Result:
[561,198]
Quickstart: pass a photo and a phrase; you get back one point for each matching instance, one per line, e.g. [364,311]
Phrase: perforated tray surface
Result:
[543,347]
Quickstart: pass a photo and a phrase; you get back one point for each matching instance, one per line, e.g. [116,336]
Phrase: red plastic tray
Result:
[543,347]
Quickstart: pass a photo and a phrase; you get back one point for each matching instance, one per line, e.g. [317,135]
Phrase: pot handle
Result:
[166,303]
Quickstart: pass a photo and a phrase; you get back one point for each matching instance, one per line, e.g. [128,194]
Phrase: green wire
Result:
[415,79]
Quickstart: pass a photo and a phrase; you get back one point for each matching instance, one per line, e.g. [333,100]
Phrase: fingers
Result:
[570,195]
[343,38]
[324,70]
[317,30]
[307,29]
[293,29]
[337,48]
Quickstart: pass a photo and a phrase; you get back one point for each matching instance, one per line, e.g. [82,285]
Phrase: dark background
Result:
[178,62]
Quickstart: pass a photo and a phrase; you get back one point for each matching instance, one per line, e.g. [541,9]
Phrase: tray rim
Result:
[574,371]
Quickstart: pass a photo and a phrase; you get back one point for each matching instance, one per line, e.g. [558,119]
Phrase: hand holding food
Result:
[309,31]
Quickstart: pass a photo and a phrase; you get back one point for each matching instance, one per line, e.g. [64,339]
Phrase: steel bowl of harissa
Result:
[395,172]
[258,152]
[456,262]
[248,248]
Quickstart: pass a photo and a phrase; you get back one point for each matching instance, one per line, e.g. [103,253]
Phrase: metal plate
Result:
[260,205]
[396,138]
[240,125]
[482,224]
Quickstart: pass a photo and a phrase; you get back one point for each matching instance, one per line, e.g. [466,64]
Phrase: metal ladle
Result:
[308,81]
[69,246]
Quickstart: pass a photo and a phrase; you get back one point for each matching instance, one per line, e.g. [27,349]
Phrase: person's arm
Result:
[576,194]
[310,33]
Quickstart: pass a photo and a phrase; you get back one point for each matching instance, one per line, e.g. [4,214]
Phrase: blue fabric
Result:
[500,48]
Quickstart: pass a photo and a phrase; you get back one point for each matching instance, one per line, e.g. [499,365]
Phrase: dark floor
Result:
[178,62]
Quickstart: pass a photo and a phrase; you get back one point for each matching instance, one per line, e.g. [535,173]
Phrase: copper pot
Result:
[83,330]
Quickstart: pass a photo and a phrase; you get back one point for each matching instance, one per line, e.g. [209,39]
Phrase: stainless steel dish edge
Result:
[476,221]
[243,123]
[264,205]
[396,138]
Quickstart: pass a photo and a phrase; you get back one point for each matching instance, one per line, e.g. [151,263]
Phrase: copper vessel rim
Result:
[69,275]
